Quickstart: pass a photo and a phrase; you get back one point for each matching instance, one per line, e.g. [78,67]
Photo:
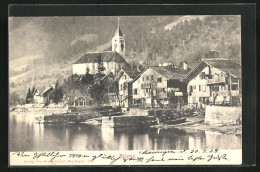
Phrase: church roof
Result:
[105,57]
[118,32]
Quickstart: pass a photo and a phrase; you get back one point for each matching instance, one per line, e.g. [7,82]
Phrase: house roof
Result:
[106,56]
[46,90]
[138,76]
[131,72]
[224,65]
[170,73]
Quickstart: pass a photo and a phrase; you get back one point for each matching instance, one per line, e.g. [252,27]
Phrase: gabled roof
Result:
[138,76]
[224,65]
[170,73]
[131,72]
[46,90]
[119,75]
[227,66]
[106,56]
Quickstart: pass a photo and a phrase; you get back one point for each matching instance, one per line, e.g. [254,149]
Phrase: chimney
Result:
[185,65]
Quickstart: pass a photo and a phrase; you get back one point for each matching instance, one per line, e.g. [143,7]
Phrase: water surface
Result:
[25,135]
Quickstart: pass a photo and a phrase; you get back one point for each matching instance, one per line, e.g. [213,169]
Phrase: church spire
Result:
[118,30]
[118,41]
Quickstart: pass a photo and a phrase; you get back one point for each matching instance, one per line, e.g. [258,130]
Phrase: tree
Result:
[14,99]
[101,67]
[28,95]
[57,94]
[87,78]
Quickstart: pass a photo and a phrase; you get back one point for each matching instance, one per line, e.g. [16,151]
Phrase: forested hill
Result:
[42,49]
[158,38]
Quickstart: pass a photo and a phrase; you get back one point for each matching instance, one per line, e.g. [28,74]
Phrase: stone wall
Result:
[126,121]
[137,112]
[223,115]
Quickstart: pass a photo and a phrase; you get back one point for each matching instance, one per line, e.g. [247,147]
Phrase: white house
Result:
[215,81]
[42,97]
[154,86]
[124,77]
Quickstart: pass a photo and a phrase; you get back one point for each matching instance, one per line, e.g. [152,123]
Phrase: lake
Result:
[25,135]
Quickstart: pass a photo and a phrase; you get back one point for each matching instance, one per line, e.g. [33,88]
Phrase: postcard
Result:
[125,90]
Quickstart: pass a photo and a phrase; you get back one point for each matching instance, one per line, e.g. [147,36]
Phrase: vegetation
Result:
[57,94]
[15,99]
[146,37]
[30,94]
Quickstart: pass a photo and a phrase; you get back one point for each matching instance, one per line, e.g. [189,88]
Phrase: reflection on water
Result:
[25,135]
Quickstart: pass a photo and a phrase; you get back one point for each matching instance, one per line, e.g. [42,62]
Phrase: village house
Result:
[42,97]
[159,86]
[82,101]
[214,81]
[112,61]
[124,78]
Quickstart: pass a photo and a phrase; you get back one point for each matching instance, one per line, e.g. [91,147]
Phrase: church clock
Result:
[115,45]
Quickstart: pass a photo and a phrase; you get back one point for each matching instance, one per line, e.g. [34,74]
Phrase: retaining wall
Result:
[125,121]
[223,115]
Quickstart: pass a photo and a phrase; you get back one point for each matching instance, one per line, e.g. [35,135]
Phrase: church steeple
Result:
[118,41]
[118,30]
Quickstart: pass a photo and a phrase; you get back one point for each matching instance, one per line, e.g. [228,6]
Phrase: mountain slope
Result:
[42,49]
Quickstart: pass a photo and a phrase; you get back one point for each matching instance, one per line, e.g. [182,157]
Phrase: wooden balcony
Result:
[216,80]
[235,92]
[148,85]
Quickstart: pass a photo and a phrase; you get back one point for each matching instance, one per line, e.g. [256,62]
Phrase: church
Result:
[112,61]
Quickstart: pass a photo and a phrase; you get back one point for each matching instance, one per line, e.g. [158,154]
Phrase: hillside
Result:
[43,49]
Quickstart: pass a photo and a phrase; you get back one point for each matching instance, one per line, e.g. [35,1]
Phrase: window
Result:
[200,87]
[203,75]
[142,85]
[159,80]
[215,88]
[152,77]
[143,78]
[125,76]
[147,78]
[135,91]
[190,88]
[234,87]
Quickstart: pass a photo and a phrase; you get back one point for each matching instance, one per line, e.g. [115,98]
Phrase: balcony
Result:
[161,96]
[216,80]
[235,92]
[148,85]
[200,94]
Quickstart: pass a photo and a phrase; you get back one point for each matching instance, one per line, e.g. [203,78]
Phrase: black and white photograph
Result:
[125,83]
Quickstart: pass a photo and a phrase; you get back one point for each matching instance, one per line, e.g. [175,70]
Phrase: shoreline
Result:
[197,123]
